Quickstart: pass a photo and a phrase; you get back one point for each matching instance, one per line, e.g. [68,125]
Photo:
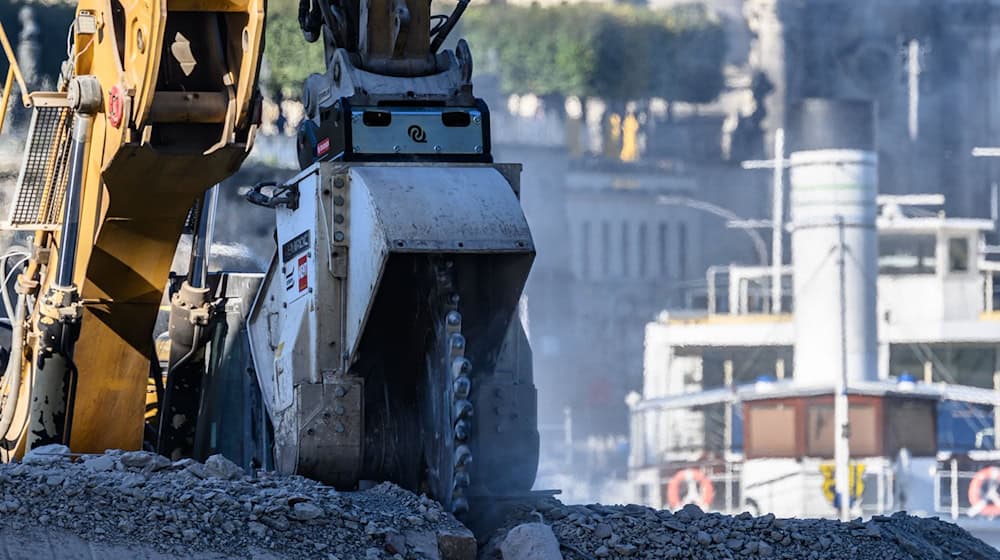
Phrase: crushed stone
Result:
[595,531]
[138,499]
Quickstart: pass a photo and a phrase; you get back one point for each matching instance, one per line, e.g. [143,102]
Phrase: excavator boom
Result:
[385,339]
[158,102]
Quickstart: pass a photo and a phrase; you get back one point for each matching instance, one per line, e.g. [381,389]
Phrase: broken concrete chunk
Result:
[531,541]
[220,467]
[457,544]
[46,455]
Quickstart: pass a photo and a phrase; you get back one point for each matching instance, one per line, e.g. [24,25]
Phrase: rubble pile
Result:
[139,501]
[634,532]
[141,505]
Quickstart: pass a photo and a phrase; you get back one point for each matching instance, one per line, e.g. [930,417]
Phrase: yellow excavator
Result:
[383,343]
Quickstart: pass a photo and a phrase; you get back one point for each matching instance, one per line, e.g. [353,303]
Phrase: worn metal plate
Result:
[330,430]
[394,130]
[425,209]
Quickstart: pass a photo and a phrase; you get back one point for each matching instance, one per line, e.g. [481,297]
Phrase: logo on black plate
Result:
[417,134]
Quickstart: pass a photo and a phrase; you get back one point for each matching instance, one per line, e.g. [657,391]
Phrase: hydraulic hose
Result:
[449,25]
[71,207]
[11,384]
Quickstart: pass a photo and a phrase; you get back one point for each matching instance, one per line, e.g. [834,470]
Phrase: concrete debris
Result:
[220,467]
[125,505]
[145,506]
[47,455]
[530,541]
[586,532]
[456,543]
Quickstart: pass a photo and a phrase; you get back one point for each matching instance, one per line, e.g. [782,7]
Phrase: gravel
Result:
[141,505]
[139,500]
[632,532]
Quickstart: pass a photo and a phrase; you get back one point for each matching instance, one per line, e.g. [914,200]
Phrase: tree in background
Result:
[617,53]
[290,59]
[624,55]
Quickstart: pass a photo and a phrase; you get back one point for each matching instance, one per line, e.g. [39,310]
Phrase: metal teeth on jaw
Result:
[462,408]
[463,456]
[462,430]
[460,367]
[462,387]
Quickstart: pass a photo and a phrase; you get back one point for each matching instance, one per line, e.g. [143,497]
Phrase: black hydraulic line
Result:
[71,203]
[193,259]
[197,273]
[187,357]
[446,28]
[201,239]
[176,441]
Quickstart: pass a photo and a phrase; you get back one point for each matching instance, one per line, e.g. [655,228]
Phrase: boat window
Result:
[820,430]
[736,438]
[964,364]
[863,438]
[907,254]
[964,426]
[910,424]
[958,254]
[770,431]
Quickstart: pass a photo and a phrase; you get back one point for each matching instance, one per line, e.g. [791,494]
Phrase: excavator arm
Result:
[159,101]
[385,342]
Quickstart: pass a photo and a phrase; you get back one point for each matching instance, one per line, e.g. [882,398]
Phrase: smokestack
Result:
[834,182]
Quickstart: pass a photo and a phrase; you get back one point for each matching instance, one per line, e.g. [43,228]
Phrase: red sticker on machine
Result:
[323,147]
[303,273]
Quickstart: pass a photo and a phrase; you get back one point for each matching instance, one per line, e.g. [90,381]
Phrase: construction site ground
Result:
[140,505]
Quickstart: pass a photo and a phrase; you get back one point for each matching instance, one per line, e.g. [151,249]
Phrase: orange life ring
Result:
[692,477]
[988,505]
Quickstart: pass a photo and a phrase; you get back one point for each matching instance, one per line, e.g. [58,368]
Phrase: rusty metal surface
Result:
[331,430]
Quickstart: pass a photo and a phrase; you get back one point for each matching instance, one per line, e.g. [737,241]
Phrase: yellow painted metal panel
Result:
[209,5]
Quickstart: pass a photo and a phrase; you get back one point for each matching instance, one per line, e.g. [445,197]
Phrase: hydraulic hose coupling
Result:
[61,304]
[84,94]
[59,318]
[190,307]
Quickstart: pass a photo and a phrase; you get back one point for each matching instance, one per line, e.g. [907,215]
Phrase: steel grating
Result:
[41,185]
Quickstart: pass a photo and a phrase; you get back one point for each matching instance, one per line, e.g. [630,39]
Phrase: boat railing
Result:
[747,290]
[960,492]
[811,490]
[991,285]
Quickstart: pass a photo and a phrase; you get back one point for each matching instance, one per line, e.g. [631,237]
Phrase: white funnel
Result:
[834,182]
